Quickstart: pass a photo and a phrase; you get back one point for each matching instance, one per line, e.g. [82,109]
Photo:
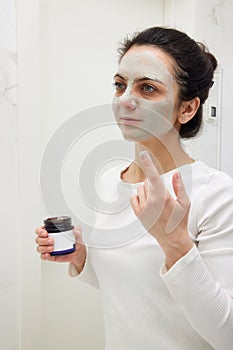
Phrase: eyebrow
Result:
[139,79]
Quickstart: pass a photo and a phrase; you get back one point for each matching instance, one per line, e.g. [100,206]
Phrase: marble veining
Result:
[216,13]
[8,83]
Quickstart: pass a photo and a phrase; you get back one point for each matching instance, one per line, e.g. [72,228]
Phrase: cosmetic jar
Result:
[60,228]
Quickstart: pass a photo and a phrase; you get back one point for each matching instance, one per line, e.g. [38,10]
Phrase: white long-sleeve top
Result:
[189,307]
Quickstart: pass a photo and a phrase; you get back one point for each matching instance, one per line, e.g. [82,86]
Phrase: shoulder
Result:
[212,192]
[212,180]
[211,208]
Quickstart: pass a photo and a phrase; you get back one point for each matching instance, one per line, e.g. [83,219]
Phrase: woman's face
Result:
[145,94]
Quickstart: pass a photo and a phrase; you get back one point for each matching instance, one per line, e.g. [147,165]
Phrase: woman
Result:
[172,287]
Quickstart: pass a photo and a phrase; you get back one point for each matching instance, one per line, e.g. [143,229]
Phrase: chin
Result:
[134,136]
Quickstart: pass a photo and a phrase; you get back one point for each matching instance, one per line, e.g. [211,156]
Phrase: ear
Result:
[188,110]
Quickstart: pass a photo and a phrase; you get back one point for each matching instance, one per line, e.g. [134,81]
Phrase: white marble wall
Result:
[210,22]
[8,177]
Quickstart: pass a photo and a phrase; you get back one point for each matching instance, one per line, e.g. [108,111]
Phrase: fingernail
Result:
[179,178]
[144,155]
[76,231]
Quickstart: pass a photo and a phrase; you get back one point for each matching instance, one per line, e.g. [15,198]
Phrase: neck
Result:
[166,155]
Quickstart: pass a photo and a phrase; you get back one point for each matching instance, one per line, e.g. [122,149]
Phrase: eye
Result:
[119,86]
[148,88]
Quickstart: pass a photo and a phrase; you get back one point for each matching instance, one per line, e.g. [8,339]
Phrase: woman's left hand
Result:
[163,216]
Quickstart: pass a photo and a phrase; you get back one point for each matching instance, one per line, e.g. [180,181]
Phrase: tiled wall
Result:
[213,26]
[8,177]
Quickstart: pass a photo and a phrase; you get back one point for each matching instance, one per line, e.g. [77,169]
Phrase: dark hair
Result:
[194,68]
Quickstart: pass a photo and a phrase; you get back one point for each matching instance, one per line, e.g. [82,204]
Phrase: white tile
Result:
[8,82]
[8,141]
[9,241]
[7,25]
[8,319]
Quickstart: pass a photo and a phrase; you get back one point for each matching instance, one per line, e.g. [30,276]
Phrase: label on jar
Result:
[64,242]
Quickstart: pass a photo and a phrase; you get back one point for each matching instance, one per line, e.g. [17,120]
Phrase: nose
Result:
[128,101]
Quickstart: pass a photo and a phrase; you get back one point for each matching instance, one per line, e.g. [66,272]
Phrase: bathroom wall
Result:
[30,209]
[8,177]
[210,22]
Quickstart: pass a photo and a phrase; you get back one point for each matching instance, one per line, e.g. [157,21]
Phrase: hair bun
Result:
[212,60]
[209,56]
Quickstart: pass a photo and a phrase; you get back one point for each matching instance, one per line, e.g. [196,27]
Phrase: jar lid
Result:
[58,224]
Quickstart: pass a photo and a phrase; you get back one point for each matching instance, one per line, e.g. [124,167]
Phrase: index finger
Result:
[151,171]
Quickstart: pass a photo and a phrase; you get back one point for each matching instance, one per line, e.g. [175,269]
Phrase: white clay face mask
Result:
[139,112]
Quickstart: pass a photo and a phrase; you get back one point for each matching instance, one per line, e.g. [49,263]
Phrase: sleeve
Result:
[202,281]
[87,275]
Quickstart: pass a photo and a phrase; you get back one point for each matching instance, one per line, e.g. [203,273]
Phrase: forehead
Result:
[146,61]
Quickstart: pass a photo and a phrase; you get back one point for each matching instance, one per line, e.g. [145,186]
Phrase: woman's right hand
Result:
[45,245]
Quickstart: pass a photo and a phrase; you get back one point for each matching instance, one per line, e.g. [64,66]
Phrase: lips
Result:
[129,121]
